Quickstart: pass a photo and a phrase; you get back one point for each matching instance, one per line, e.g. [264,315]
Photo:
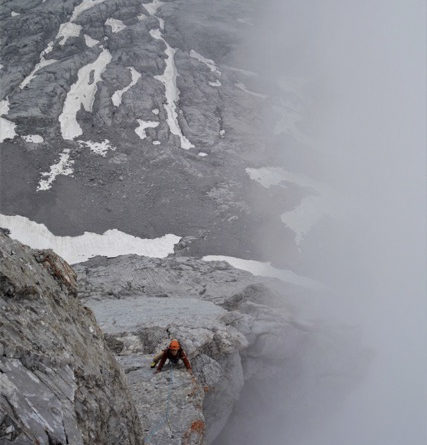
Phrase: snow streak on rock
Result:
[259,268]
[117,96]
[7,127]
[153,6]
[208,62]
[63,167]
[116,25]
[168,78]
[140,131]
[83,6]
[99,148]
[82,93]
[75,249]
[242,87]
[43,62]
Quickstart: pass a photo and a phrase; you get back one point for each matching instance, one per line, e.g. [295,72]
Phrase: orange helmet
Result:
[174,345]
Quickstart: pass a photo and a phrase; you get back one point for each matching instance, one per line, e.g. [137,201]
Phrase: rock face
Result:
[231,324]
[139,115]
[59,382]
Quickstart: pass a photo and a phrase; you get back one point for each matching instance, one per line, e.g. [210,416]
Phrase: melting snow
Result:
[67,30]
[100,148]
[321,202]
[7,128]
[168,78]
[75,249]
[43,62]
[259,268]
[242,87]
[208,62]
[63,167]
[35,138]
[90,42]
[116,25]
[140,131]
[82,93]
[117,96]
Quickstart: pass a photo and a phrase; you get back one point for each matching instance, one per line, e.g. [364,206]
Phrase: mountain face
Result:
[142,117]
[59,382]
[236,329]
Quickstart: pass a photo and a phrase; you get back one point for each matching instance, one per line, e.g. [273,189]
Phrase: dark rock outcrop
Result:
[59,382]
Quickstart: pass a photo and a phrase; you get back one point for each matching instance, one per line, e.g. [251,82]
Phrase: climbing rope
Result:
[165,419]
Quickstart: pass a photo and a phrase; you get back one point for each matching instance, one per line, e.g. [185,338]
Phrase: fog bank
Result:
[361,379]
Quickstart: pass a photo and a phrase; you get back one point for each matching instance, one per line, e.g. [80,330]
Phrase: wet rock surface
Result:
[59,382]
[232,325]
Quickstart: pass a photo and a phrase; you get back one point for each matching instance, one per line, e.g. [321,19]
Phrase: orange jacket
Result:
[174,359]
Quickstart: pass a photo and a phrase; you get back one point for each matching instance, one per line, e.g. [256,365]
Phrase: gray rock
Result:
[59,383]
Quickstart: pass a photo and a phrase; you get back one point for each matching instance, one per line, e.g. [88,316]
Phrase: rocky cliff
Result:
[233,326]
[59,382]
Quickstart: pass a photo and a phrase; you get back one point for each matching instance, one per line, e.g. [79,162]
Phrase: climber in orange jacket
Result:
[174,353]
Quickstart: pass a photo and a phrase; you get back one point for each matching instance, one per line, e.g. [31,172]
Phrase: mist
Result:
[360,377]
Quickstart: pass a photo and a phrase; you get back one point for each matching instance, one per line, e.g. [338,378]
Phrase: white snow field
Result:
[117,96]
[7,127]
[259,268]
[321,202]
[63,167]
[99,148]
[75,249]
[140,131]
[82,93]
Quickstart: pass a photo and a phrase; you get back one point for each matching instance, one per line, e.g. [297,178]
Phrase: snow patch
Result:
[75,249]
[117,96]
[63,167]
[140,131]
[7,127]
[208,62]
[156,142]
[14,13]
[242,87]
[34,138]
[90,42]
[99,148]
[155,111]
[259,268]
[141,17]
[82,93]
[221,133]
[217,83]
[67,30]
[116,25]
[168,78]
[202,154]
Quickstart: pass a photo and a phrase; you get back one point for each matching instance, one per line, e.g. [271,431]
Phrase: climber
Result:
[173,352]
